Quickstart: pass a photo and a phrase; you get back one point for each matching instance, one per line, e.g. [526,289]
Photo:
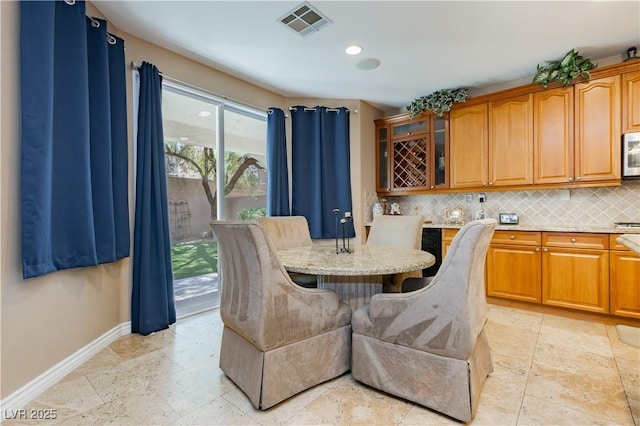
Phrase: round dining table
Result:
[355,276]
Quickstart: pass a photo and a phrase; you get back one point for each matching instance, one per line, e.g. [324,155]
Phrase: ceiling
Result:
[423,46]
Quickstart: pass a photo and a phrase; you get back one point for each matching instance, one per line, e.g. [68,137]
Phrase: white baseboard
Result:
[20,398]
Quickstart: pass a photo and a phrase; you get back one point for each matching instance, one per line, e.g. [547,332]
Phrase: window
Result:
[212,147]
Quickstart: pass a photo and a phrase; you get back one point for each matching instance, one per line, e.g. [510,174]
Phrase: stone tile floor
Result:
[548,370]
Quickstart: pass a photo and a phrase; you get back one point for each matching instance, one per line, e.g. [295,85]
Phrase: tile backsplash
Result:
[600,206]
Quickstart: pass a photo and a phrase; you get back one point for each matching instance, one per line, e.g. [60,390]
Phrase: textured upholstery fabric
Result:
[428,346]
[396,231]
[279,338]
[286,232]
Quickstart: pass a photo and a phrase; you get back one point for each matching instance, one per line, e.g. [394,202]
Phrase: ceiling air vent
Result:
[305,19]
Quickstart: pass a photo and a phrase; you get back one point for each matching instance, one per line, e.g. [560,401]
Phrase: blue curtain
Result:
[70,146]
[152,301]
[277,170]
[321,174]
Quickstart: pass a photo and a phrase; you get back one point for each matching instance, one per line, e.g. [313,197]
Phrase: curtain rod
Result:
[355,111]
[135,66]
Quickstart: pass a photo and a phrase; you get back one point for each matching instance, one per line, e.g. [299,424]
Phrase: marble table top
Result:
[630,240]
[321,259]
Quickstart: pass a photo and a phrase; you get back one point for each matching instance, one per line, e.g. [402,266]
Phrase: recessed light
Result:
[353,50]
[368,64]
[204,114]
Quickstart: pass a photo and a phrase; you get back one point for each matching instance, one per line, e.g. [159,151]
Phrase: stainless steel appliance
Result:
[631,155]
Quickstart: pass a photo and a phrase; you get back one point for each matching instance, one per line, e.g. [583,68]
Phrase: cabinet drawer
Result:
[517,237]
[615,245]
[575,240]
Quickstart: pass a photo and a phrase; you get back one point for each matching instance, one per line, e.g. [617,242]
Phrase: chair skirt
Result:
[268,378]
[448,385]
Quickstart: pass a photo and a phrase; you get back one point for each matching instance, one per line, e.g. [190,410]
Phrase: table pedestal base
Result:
[356,291]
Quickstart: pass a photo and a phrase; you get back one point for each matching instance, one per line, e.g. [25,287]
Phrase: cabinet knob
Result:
[512,237]
[408,133]
[573,240]
[490,183]
[537,249]
[484,183]
[578,178]
[545,249]
[432,186]
[570,179]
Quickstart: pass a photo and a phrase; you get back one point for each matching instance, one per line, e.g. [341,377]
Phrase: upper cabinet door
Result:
[631,102]
[382,158]
[469,146]
[511,141]
[597,137]
[553,136]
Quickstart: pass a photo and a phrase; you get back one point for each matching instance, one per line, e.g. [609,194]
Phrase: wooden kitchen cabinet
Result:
[411,154]
[402,151]
[447,237]
[468,145]
[624,280]
[553,136]
[511,141]
[597,129]
[575,271]
[631,102]
[492,144]
[577,132]
[514,266]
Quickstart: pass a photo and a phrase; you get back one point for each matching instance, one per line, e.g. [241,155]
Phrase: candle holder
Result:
[336,211]
[345,241]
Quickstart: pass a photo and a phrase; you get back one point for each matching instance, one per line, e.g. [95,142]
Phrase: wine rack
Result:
[410,163]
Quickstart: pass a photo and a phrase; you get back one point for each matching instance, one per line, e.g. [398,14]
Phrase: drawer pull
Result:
[573,240]
[512,237]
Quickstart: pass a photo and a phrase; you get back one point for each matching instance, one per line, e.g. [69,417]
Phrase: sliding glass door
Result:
[215,155]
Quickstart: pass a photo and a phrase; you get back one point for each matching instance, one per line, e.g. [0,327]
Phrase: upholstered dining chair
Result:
[278,338]
[289,232]
[428,346]
[396,231]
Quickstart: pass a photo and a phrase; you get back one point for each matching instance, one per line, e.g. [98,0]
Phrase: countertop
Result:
[630,240]
[604,229]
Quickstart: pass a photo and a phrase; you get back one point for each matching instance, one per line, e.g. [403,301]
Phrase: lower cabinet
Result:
[514,266]
[583,271]
[624,281]
[575,271]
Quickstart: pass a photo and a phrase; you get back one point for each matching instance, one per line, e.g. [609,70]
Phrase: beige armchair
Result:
[396,231]
[278,338]
[288,232]
[428,346]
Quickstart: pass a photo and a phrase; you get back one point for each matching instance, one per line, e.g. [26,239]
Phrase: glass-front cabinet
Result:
[411,154]
[382,158]
[440,152]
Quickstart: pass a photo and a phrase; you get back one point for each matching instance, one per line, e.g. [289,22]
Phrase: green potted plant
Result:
[439,102]
[571,66]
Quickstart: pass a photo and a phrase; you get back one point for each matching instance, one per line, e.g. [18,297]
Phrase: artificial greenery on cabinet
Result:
[572,65]
[439,102]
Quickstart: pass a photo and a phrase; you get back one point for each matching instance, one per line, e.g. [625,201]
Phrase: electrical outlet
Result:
[481,197]
[469,198]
